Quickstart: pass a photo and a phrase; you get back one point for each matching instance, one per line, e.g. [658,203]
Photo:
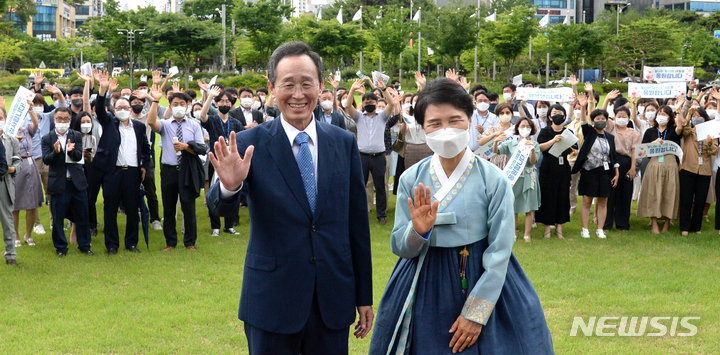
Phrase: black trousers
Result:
[399,169]
[95,180]
[151,193]
[620,200]
[122,188]
[375,165]
[169,183]
[214,218]
[693,194]
[314,338]
[76,202]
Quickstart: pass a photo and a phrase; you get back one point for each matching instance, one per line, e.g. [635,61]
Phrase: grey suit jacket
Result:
[12,155]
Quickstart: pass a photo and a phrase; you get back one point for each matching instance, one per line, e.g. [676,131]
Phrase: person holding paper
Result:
[598,167]
[695,170]
[505,115]
[482,118]
[28,185]
[526,188]
[554,176]
[660,193]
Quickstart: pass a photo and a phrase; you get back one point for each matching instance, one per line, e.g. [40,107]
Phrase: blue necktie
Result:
[307,169]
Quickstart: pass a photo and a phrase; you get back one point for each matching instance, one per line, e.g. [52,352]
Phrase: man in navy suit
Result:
[62,153]
[123,155]
[325,112]
[308,265]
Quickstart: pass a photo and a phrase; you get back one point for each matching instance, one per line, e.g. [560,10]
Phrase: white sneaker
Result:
[156,225]
[39,229]
[215,233]
[585,233]
[231,231]
[534,225]
[600,234]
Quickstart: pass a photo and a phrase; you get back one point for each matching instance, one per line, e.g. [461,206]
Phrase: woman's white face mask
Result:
[448,142]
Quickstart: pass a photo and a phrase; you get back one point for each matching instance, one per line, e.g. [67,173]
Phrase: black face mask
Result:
[137,108]
[77,102]
[369,108]
[224,109]
[558,119]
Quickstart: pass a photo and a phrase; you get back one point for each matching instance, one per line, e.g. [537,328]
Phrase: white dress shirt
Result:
[248,115]
[127,152]
[63,143]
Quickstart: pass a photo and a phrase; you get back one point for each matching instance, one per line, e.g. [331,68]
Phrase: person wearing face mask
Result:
[350,124]
[371,139]
[526,188]
[482,118]
[505,115]
[620,200]
[28,185]
[219,125]
[576,127]
[695,171]
[453,311]
[327,113]
[245,113]
[598,166]
[416,148]
[660,192]
[181,171]
[123,156]
[554,176]
[542,108]
[62,152]
[520,108]
[12,167]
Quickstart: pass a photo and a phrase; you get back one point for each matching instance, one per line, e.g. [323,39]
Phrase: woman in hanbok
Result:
[457,286]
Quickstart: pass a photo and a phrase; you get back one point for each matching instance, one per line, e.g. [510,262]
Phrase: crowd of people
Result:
[102,137]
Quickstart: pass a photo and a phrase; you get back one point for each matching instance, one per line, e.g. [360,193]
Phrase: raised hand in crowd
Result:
[574,80]
[334,83]
[452,75]
[464,83]
[55,91]
[423,211]
[230,168]
[39,78]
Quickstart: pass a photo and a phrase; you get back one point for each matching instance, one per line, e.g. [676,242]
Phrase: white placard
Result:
[516,164]
[377,76]
[663,74]
[567,141]
[552,95]
[486,150]
[212,82]
[657,91]
[172,71]
[517,80]
[711,128]
[18,110]
[70,161]
[86,69]
[649,150]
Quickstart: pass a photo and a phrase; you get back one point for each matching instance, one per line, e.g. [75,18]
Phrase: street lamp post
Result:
[131,39]
[223,16]
[618,12]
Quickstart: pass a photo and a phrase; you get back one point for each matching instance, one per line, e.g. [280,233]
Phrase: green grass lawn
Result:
[186,302]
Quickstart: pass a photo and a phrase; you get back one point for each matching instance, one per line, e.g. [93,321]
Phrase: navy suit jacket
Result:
[107,149]
[292,253]
[57,166]
[336,119]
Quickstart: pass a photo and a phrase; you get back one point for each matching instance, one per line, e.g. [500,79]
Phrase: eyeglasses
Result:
[290,88]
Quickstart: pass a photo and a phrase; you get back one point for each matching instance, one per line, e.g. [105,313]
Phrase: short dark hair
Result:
[533,129]
[75,90]
[245,89]
[492,96]
[143,83]
[232,91]
[263,89]
[529,82]
[291,49]
[392,82]
[369,96]
[559,108]
[478,87]
[191,93]
[224,93]
[480,92]
[598,112]
[133,97]
[342,88]
[669,112]
[326,91]
[179,95]
[620,101]
[167,89]
[62,109]
[39,99]
[375,90]
[623,109]
[443,91]
[511,86]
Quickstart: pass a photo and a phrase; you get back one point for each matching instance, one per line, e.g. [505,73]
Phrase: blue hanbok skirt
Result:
[516,326]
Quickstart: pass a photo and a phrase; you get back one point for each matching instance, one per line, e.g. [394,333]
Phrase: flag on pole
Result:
[473,15]
[567,20]
[358,15]
[339,16]
[544,21]
[492,18]
[319,16]
[416,18]
[430,51]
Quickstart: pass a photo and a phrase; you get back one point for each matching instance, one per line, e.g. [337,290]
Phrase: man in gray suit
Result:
[7,190]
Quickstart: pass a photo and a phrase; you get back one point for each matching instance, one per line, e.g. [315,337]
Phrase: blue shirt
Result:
[191,130]
[486,122]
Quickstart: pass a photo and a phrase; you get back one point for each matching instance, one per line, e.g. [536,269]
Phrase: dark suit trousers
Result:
[375,165]
[620,200]
[151,193]
[122,187]
[95,180]
[693,194]
[214,218]
[77,202]
[314,339]
[169,184]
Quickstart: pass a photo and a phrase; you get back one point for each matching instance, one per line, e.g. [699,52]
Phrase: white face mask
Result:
[524,132]
[622,121]
[577,113]
[2,125]
[57,103]
[711,113]
[196,114]
[344,103]
[246,102]
[448,142]
[122,115]
[326,105]
[62,128]
[406,107]
[661,120]
[262,98]
[505,118]
[143,91]
[85,127]
[542,112]
[641,109]
[179,111]
[650,115]
[126,97]
[38,110]
[413,105]
[255,105]
[507,96]
[483,106]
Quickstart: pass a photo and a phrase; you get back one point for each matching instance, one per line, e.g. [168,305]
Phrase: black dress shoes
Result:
[61,254]
[112,251]
[11,262]
[382,221]
[133,249]
[87,252]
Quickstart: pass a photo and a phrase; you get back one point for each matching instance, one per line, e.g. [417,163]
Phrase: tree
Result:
[571,43]
[263,23]
[23,9]
[11,49]
[331,40]
[184,36]
[644,42]
[456,31]
[503,6]
[391,34]
[511,34]
[206,9]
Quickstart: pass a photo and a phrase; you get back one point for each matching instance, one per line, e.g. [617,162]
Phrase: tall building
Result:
[591,9]
[91,8]
[704,7]
[54,19]
[556,10]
